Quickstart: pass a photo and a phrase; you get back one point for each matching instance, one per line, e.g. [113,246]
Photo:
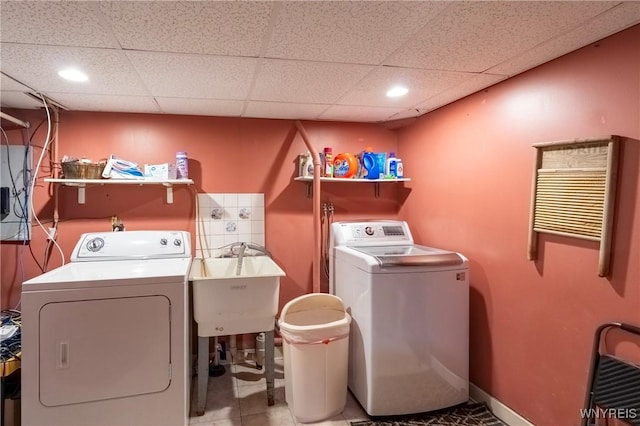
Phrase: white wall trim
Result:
[500,410]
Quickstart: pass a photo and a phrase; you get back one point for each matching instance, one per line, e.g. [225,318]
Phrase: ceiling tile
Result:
[473,36]
[63,23]
[194,76]
[284,110]
[305,82]
[613,20]
[358,113]
[11,99]
[190,106]
[422,84]
[213,27]
[8,83]
[286,59]
[406,114]
[107,103]
[109,71]
[348,32]
[473,85]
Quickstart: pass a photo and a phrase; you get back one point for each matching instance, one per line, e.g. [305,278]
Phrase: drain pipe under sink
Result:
[316,206]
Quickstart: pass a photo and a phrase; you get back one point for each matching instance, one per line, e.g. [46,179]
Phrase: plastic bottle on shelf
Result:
[399,168]
[302,163]
[182,165]
[345,165]
[370,164]
[327,169]
[391,168]
[307,170]
[381,158]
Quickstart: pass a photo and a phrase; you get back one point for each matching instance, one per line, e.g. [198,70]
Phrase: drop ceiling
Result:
[312,60]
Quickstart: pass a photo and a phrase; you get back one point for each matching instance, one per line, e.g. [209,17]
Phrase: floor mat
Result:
[465,415]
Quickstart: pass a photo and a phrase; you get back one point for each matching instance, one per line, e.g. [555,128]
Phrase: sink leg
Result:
[203,374]
[269,365]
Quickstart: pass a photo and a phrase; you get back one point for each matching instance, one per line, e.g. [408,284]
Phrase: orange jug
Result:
[345,165]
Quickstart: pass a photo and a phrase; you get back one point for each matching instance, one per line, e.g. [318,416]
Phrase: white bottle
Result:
[182,165]
[307,171]
[399,168]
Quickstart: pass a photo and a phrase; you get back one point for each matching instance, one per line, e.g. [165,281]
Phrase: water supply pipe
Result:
[316,206]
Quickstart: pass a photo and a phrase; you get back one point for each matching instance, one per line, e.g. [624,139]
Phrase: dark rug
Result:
[464,415]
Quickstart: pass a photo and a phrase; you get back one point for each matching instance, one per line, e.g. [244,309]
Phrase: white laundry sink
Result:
[226,304]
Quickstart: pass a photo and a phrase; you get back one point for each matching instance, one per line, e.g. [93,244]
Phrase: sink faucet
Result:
[243,246]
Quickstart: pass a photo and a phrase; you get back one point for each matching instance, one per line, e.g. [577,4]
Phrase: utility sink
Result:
[226,304]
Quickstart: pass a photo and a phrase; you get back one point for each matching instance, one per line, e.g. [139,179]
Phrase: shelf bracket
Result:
[376,190]
[81,194]
[169,192]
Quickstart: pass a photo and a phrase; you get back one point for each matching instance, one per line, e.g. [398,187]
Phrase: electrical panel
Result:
[15,178]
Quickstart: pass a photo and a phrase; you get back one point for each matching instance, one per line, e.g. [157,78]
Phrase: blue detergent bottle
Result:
[370,164]
[391,169]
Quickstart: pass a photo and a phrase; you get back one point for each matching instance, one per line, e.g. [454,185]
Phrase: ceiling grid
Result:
[312,60]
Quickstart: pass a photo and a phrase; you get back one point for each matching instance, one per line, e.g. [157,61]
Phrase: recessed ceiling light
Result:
[73,75]
[397,91]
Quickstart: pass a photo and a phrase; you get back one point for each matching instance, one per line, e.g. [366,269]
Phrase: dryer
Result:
[104,337]
[409,337]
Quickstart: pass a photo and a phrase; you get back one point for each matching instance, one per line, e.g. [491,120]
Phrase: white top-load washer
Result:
[104,337]
[409,338]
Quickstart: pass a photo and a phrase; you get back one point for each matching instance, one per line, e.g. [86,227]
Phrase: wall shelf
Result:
[376,182]
[81,184]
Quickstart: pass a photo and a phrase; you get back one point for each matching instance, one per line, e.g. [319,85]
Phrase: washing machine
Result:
[104,337]
[409,337]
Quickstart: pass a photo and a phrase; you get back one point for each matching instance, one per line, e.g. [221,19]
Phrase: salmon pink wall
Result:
[230,155]
[532,323]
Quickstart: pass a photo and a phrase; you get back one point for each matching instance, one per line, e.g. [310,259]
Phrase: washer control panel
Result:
[371,233]
[132,245]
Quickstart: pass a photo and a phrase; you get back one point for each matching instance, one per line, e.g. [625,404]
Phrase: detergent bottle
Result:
[391,169]
[327,169]
[308,167]
[370,164]
[345,165]
[399,169]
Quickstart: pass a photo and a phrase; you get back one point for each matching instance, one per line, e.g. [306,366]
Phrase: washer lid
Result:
[111,273]
[411,255]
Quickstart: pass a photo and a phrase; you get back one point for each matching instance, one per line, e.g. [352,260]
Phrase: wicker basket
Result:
[77,170]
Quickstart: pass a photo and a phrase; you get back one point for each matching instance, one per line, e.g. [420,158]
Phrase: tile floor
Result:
[239,398]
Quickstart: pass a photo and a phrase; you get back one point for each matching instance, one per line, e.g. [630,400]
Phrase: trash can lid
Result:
[312,318]
[313,301]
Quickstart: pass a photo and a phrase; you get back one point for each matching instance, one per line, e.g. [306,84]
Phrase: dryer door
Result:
[92,350]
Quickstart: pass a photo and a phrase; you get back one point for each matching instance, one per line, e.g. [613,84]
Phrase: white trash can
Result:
[315,334]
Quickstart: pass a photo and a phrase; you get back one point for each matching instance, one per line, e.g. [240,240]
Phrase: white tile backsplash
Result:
[257,200]
[244,227]
[230,200]
[218,199]
[231,213]
[216,227]
[242,220]
[244,200]
[258,214]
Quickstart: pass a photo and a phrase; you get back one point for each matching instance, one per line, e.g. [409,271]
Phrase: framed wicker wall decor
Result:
[573,194]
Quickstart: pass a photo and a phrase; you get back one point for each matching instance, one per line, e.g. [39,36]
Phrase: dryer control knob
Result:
[368,230]
[163,241]
[177,242]
[95,244]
